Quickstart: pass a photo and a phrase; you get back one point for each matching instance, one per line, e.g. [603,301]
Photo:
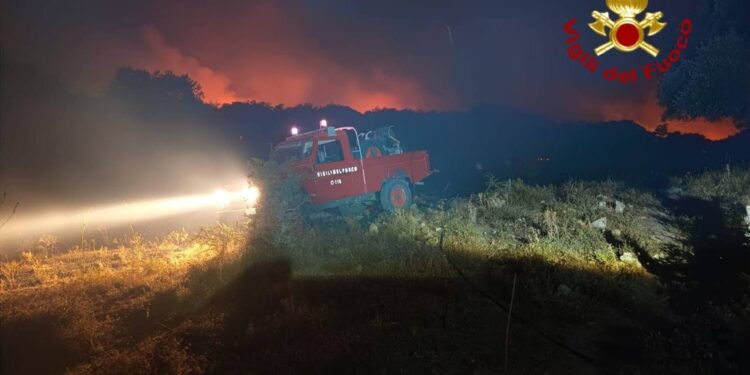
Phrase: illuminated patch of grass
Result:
[547,229]
[96,300]
[140,304]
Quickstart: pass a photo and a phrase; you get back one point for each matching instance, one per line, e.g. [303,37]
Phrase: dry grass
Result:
[730,187]
[730,184]
[92,296]
[543,231]
[129,257]
[184,304]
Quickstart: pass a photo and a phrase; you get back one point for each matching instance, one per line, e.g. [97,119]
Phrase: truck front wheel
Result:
[394,195]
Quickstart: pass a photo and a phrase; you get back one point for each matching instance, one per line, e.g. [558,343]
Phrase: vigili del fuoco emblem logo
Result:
[627,33]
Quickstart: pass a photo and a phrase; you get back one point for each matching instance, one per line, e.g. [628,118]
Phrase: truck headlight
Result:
[251,195]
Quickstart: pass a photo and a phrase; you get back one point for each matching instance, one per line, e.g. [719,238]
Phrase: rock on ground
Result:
[619,207]
[600,224]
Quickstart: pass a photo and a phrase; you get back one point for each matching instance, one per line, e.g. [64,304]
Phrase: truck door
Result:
[338,172]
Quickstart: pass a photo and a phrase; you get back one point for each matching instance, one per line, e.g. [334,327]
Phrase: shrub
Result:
[9,271]
[280,210]
[729,185]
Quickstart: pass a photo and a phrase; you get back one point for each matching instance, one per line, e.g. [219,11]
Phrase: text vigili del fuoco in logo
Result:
[627,34]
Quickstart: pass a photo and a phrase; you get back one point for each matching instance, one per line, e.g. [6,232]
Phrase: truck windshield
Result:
[329,151]
[291,151]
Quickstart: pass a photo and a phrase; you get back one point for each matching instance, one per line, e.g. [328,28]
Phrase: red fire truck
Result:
[342,168]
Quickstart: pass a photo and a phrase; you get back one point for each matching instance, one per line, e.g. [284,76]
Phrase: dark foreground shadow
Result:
[707,278]
[715,269]
[266,320]
[275,323]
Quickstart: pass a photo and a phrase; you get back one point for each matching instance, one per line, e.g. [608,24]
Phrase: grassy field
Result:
[599,277]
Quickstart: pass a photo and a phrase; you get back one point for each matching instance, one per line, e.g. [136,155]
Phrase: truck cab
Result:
[340,167]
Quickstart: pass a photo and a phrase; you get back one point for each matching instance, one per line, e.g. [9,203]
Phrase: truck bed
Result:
[412,165]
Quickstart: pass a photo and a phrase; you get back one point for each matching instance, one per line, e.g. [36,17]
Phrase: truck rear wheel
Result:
[395,194]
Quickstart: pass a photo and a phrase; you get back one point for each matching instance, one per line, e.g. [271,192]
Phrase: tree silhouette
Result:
[662,131]
[713,80]
[155,92]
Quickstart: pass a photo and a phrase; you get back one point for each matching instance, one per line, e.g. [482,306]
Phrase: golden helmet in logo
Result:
[627,8]
[627,33]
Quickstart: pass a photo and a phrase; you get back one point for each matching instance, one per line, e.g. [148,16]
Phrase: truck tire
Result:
[395,194]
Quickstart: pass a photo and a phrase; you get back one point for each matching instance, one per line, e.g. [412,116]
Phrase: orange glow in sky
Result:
[644,110]
[282,54]
[648,116]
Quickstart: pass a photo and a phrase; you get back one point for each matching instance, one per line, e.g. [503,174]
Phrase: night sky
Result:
[426,55]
